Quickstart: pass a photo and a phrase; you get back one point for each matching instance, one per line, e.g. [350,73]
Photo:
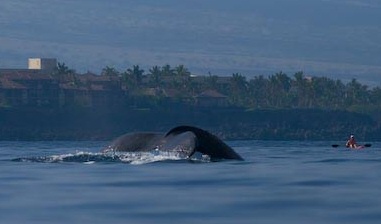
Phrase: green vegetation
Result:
[278,91]
[66,105]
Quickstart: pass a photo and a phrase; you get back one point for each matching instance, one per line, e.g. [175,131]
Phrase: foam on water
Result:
[135,158]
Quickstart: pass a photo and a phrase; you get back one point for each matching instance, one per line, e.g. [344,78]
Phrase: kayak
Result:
[358,147]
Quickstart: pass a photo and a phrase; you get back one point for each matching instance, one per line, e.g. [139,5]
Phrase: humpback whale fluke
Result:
[185,140]
[208,143]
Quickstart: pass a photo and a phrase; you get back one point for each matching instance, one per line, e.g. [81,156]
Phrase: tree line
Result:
[277,106]
[277,91]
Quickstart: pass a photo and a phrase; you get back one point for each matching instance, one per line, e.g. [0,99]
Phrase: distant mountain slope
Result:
[321,37]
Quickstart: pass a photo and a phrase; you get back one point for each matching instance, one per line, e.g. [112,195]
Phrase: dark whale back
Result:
[183,143]
[207,143]
[185,140]
[134,142]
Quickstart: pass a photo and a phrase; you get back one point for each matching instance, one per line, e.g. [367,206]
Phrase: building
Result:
[45,64]
[35,66]
[211,98]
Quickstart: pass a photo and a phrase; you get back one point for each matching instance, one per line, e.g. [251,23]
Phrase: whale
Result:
[184,140]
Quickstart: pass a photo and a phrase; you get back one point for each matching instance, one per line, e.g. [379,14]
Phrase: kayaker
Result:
[351,143]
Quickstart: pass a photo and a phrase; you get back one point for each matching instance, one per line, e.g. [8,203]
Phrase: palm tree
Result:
[110,71]
[280,85]
[258,92]
[356,93]
[166,70]
[210,82]
[182,71]
[238,89]
[64,74]
[155,76]
[62,69]
[134,76]
[327,93]
[303,92]
[182,78]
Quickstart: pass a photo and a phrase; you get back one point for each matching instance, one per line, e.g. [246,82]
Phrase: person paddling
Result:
[351,143]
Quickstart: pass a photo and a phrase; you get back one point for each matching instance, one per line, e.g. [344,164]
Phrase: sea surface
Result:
[279,182]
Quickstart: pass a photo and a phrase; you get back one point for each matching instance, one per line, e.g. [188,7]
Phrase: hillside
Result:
[334,38]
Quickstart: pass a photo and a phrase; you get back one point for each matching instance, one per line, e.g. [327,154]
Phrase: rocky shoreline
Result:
[228,123]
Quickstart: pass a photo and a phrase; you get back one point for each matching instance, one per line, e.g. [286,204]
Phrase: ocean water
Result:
[279,182]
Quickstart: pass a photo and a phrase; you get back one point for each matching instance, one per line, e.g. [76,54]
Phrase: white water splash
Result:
[134,158]
[138,158]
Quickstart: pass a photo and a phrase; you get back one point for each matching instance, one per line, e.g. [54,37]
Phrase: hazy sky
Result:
[339,38]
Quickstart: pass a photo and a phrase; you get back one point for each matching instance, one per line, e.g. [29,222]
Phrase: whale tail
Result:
[207,143]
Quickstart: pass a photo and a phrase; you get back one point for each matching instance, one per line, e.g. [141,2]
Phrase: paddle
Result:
[365,145]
